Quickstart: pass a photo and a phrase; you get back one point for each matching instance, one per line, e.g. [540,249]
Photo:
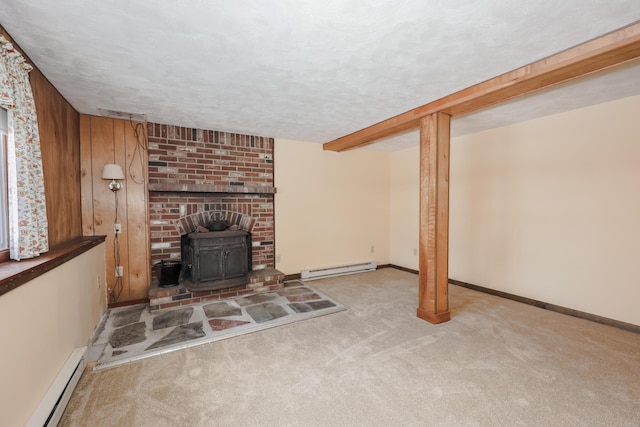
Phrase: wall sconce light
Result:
[114,173]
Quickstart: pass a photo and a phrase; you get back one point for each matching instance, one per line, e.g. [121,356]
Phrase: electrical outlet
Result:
[373,249]
[278,258]
[117,228]
[98,281]
[119,271]
[415,251]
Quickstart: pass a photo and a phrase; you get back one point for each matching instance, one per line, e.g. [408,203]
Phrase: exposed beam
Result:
[603,52]
[433,290]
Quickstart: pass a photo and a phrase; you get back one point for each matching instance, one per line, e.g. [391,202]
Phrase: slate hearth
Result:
[133,333]
[267,279]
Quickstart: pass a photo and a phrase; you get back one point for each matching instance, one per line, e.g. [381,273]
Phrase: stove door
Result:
[234,260]
[210,263]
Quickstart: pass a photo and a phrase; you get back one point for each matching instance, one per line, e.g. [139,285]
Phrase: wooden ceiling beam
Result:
[598,54]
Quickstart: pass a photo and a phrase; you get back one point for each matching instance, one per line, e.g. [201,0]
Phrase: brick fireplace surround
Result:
[197,174]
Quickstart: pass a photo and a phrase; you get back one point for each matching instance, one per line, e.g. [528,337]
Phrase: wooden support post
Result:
[434,218]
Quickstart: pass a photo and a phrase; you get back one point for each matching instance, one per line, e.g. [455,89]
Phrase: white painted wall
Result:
[42,322]
[330,208]
[547,209]
[405,207]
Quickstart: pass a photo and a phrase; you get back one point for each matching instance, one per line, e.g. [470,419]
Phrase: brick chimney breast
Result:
[196,175]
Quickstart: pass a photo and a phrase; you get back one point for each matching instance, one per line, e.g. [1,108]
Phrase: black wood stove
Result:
[216,259]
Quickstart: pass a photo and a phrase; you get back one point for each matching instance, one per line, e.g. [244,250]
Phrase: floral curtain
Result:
[28,226]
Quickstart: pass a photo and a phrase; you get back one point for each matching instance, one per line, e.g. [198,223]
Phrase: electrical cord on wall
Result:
[139,130]
[116,291]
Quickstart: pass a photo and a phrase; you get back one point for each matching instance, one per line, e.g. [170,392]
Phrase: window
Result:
[4,208]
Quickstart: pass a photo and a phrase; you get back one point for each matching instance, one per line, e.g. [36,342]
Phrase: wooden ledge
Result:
[211,188]
[16,273]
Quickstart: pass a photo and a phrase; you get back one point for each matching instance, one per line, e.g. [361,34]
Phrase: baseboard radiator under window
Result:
[55,401]
[321,273]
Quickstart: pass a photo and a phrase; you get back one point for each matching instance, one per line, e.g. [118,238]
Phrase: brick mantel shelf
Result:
[209,188]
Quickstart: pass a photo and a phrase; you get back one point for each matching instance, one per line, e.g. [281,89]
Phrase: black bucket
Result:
[169,273]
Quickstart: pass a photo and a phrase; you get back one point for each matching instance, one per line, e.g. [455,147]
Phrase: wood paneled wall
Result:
[58,123]
[104,140]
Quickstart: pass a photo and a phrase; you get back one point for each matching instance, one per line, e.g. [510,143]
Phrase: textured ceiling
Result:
[308,70]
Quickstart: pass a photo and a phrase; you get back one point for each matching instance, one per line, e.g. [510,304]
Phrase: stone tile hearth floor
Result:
[132,333]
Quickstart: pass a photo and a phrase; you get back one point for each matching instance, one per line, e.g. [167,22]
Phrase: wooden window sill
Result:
[16,273]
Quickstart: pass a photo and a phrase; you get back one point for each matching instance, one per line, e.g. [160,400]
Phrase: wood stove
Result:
[216,259]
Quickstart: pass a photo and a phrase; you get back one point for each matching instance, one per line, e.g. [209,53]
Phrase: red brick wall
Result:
[179,155]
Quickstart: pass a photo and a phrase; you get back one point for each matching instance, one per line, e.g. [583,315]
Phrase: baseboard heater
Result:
[55,401]
[320,273]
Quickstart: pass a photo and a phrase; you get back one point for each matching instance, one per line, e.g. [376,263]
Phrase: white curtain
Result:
[28,226]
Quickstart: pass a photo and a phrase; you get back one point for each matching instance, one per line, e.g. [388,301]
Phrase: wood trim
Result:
[136,217]
[598,54]
[16,273]
[433,301]
[122,210]
[540,304]
[128,303]
[551,307]
[290,277]
[86,177]
[5,254]
[397,267]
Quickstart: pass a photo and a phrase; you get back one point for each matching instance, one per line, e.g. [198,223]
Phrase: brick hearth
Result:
[264,280]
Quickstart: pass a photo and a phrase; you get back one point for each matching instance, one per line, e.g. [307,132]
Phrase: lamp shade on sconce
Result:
[112,171]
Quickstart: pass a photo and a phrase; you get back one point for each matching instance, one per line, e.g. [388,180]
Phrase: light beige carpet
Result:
[496,363]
